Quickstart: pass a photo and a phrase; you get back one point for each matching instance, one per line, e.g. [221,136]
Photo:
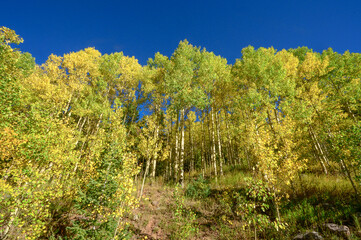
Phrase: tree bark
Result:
[155,157]
[318,149]
[182,149]
[203,162]
[145,175]
[213,145]
[176,154]
[192,158]
[229,148]
[218,123]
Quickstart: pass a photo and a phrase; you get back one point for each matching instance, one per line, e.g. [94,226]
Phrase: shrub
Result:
[198,188]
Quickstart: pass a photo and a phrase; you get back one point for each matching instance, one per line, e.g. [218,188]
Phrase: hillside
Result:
[97,146]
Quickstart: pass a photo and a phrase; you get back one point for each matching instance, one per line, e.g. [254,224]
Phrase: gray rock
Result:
[308,236]
[135,217]
[338,229]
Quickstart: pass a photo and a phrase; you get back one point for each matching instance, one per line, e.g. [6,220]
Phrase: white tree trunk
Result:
[219,144]
[156,147]
[182,149]
[213,146]
[176,154]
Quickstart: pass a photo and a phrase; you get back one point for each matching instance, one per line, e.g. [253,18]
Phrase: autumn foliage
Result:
[73,137]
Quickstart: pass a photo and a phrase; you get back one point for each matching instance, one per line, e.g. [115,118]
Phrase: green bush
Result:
[198,188]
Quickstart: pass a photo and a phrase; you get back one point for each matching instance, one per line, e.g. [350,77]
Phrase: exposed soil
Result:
[149,221]
[154,217]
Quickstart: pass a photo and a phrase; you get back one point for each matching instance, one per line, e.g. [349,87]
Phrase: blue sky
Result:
[142,28]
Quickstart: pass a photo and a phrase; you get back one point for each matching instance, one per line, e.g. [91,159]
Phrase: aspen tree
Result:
[183,89]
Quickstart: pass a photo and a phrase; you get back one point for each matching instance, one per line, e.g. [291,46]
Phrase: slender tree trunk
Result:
[318,148]
[218,123]
[81,129]
[182,149]
[77,125]
[350,112]
[145,175]
[349,175]
[170,170]
[214,160]
[192,158]
[209,149]
[176,154]
[82,147]
[271,123]
[203,162]
[155,157]
[229,148]
[98,124]
[67,105]
[169,142]
[277,116]
[10,224]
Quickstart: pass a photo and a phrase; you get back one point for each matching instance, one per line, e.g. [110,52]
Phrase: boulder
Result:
[338,229]
[312,235]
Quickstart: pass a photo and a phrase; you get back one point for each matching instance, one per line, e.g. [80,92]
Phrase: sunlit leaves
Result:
[59,138]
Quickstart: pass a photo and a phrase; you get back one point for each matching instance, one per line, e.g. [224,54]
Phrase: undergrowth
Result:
[240,206]
[184,218]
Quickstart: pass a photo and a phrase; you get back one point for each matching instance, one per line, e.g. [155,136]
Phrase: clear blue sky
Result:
[142,28]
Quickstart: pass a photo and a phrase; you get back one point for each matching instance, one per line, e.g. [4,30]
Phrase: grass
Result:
[233,177]
[315,199]
[311,184]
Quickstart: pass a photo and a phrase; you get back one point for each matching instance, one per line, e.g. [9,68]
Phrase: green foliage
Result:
[97,231]
[26,64]
[255,208]
[347,146]
[184,218]
[303,214]
[9,74]
[65,170]
[70,139]
[199,188]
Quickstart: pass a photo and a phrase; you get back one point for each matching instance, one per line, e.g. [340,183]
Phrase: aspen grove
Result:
[82,135]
